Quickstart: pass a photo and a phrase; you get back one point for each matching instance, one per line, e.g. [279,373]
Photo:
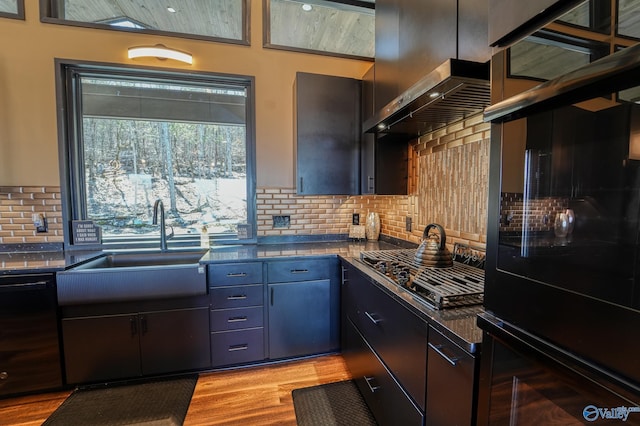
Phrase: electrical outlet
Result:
[355,219]
[407,223]
[281,221]
[40,222]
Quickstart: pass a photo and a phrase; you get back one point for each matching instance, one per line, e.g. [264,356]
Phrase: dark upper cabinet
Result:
[413,37]
[327,128]
[511,20]
[383,160]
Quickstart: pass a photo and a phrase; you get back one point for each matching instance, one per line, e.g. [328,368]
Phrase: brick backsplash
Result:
[448,184]
[19,203]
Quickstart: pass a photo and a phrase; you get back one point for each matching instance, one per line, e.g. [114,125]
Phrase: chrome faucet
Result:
[163,229]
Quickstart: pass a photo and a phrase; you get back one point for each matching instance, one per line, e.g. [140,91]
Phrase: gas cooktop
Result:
[441,288]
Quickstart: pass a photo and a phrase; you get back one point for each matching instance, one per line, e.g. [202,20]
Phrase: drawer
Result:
[387,400]
[397,335]
[237,347]
[236,296]
[235,273]
[301,270]
[234,319]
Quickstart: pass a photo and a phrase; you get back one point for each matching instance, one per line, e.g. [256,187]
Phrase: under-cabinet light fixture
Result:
[161,52]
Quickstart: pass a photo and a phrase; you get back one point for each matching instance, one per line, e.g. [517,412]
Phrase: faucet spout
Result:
[158,206]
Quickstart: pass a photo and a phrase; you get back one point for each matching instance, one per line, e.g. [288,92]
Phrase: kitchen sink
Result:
[129,276]
[141,259]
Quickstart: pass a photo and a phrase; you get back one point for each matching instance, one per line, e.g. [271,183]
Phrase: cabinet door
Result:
[397,335]
[387,400]
[175,340]
[327,128]
[101,348]
[450,378]
[29,348]
[299,318]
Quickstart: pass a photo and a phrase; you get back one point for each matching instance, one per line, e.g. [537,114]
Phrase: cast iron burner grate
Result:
[442,288]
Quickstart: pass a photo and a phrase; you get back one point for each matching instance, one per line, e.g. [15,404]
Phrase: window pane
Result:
[9,6]
[184,144]
[537,59]
[591,14]
[629,18]
[210,18]
[322,26]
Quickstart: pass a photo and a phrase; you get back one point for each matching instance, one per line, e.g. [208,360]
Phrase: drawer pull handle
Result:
[242,347]
[373,320]
[438,349]
[368,380]
[299,271]
[238,297]
[237,274]
[237,319]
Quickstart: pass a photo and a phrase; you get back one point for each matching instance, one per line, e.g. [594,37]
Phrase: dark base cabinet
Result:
[385,347]
[450,383]
[237,313]
[303,307]
[388,402]
[29,344]
[110,347]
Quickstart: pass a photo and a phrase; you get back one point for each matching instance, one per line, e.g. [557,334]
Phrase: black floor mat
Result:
[154,403]
[337,404]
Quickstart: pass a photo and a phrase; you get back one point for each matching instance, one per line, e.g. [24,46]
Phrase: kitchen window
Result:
[336,28]
[130,137]
[12,9]
[217,20]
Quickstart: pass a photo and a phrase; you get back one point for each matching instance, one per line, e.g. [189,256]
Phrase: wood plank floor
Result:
[249,396]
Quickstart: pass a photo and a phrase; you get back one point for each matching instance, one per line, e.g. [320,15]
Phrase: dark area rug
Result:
[337,403]
[154,403]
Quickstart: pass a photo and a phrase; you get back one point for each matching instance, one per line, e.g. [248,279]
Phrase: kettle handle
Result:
[443,236]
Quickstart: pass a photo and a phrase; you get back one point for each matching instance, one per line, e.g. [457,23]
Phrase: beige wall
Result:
[28,126]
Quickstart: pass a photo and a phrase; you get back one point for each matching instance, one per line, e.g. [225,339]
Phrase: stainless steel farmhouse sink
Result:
[125,276]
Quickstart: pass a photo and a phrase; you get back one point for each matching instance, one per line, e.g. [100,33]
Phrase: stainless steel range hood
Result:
[454,90]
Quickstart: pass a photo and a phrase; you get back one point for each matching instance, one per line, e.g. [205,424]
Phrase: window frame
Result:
[71,157]
[266,32]
[48,6]
[18,15]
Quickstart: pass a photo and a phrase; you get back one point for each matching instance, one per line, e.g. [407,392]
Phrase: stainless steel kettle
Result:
[433,251]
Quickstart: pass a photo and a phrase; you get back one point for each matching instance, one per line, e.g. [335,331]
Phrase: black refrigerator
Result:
[562,285]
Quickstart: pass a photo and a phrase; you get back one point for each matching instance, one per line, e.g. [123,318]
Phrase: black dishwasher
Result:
[29,343]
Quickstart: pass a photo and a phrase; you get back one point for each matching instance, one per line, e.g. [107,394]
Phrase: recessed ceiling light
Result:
[307,7]
[170,9]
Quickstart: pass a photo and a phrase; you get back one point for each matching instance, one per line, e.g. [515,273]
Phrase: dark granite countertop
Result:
[458,324]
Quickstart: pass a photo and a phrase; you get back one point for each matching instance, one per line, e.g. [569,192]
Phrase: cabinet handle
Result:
[237,319]
[143,324]
[242,347]
[134,326]
[271,297]
[368,380]
[373,320]
[345,278]
[438,349]
[238,297]
[371,183]
[299,271]
[236,274]
[301,185]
